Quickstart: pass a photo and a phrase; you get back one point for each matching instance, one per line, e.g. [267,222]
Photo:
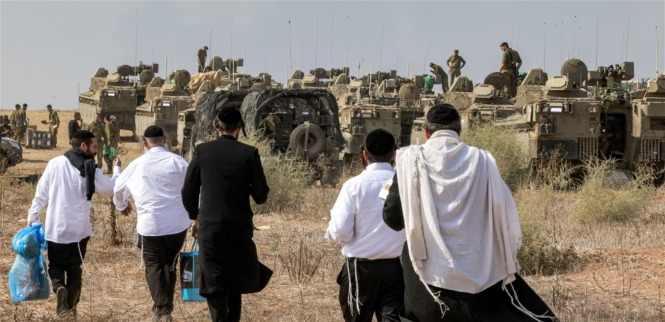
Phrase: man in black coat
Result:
[224,173]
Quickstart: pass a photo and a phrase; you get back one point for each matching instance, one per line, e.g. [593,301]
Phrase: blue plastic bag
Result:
[190,275]
[28,279]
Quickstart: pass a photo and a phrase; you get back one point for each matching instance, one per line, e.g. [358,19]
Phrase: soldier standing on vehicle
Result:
[441,77]
[455,63]
[97,128]
[510,65]
[201,56]
[15,121]
[53,125]
[113,134]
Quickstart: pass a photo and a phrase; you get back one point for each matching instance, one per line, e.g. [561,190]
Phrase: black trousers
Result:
[224,307]
[160,257]
[491,305]
[380,289]
[64,267]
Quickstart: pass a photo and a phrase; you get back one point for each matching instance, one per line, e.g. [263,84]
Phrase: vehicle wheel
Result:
[314,141]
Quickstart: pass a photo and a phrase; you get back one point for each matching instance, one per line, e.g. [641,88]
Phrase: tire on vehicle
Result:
[315,141]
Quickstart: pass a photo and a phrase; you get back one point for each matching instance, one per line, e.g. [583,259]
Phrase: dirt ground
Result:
[620,274]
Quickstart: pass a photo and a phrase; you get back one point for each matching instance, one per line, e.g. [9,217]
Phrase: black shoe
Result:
[62,307]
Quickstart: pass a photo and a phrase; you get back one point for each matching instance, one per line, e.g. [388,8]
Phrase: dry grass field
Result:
[586,266]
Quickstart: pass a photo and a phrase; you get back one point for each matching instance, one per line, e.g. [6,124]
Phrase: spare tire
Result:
[308,136]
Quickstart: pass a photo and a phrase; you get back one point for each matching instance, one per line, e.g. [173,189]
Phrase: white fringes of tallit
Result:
[515,301]
[350,297]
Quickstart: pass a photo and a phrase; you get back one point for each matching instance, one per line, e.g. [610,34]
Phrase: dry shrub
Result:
[303,262]
[538,207]
[539,203]
[287,175]
[604,198]
[511,158]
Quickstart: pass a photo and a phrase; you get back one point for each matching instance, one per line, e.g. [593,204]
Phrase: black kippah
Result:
[230,116]
[379,142]
[153,131]
[442,114]
[83,135]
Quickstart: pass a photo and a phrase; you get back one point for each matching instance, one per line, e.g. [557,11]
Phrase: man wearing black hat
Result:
[371,280]
[221,177]
[66,187]
[154,181]
[462,231]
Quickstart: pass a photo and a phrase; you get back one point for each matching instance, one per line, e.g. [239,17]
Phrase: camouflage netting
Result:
[207,108]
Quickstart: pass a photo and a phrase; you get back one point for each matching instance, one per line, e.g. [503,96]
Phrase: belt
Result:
[372,260]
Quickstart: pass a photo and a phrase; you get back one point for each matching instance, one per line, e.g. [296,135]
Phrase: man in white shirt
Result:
[154,180]
[462,231]
[67,186]
[371,279]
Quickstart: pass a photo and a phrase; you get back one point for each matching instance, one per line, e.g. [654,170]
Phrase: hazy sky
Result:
[50,49]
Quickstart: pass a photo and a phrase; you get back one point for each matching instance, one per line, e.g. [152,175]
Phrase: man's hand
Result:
[117,162]
[195,229]
[127,210]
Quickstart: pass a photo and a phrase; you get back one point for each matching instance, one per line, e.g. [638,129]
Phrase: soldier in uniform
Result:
[201,56]
[113,134]
[441,77]
[53,125]
[510,65]
[23,126]
[97,128]
[455,63]
[16,121]
[6,130]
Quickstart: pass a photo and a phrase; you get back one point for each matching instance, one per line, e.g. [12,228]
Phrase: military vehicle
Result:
[118,93]
[11,154]
[584,114]
[360,118]
[318,78]
[208,103]
[308,126]
[164,102]
[648,115]
[392,103]
[460,95]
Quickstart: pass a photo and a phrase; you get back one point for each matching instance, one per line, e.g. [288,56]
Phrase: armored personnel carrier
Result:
[164,101]
[648,116]
[583,115]
[195,125]
[117,93]
[393,103]
[360,118]
[318,78]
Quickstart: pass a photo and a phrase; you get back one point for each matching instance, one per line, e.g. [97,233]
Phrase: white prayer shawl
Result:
[460,218]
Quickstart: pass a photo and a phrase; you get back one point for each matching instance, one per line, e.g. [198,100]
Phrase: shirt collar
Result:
[157,149]
[378,166]
[446,134]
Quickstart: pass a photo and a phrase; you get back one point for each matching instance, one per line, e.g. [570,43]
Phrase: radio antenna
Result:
[316,42]
[136,40]
[290,69]
[332,32]
[383,27]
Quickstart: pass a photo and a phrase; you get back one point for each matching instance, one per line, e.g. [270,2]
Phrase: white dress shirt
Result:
[154,180]
[62,188]
[356,219]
